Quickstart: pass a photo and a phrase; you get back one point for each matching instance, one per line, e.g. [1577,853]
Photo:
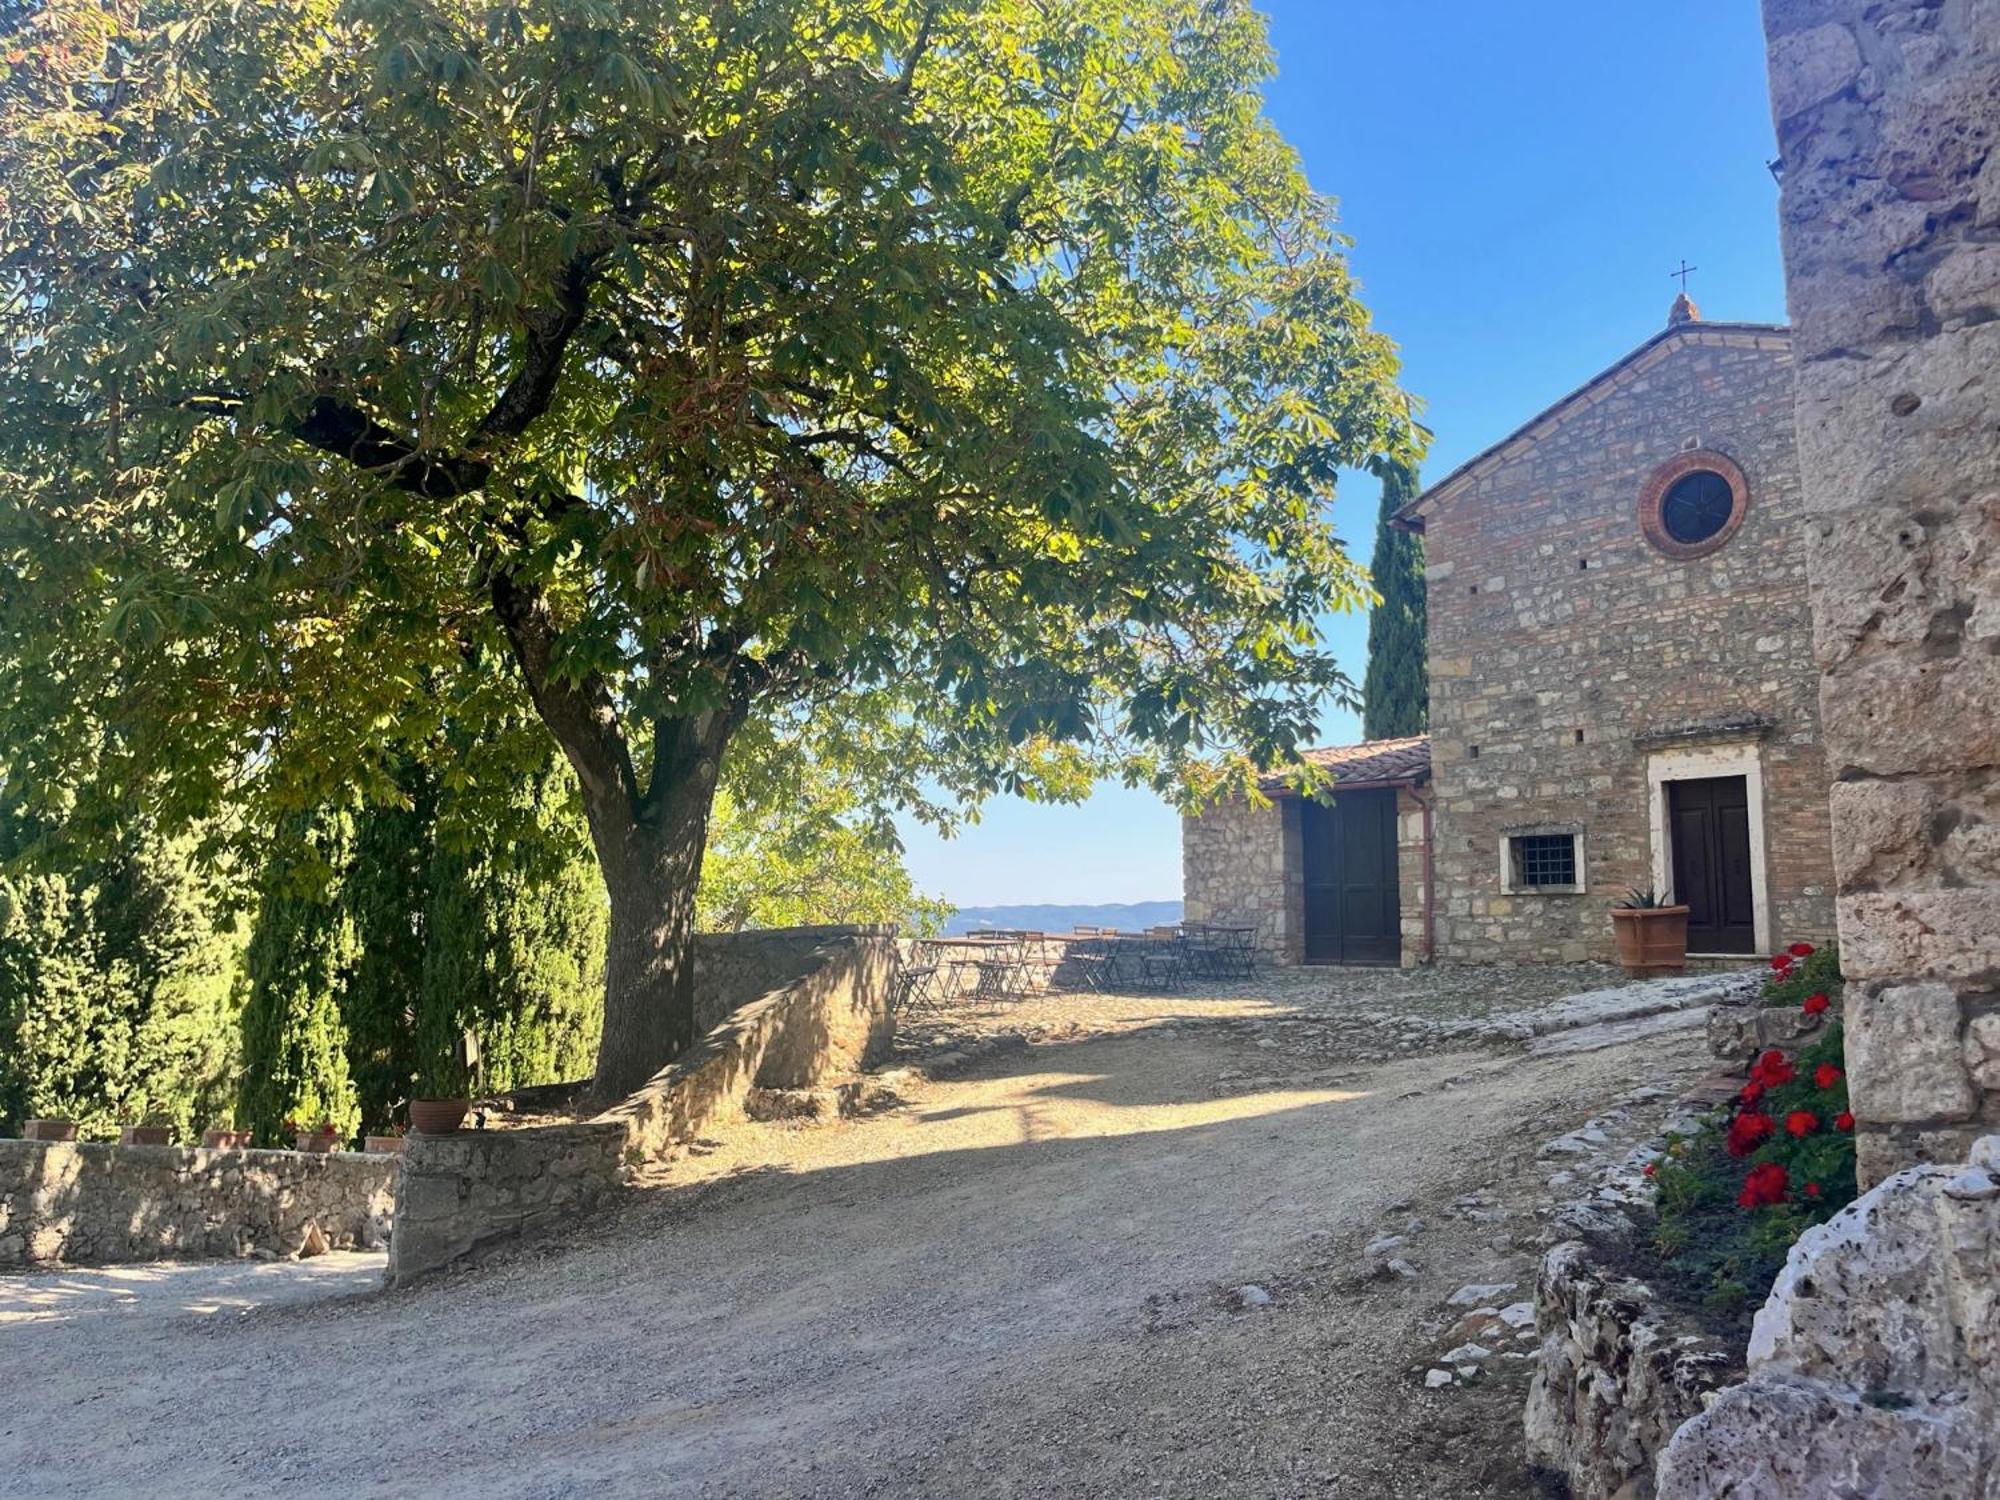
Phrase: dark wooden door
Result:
[1711,843]
[1353,909]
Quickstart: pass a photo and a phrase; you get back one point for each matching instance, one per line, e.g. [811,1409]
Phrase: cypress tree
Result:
[387,894]
[514,942]
[301,952]
[1395,696]
[120,983]
[166,925]
[65,1038]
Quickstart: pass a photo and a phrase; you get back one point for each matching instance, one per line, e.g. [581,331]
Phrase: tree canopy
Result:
[723,364]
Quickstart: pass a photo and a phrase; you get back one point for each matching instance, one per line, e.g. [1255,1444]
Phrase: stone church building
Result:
[1622,695]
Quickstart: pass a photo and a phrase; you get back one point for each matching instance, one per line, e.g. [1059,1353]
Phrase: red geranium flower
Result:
[1751,1093]
[1815,1005]
[1781,961]
[1747,1132]
[1800,950]
[1802,1122]
[1844,1120]
[1825,1076]
[1812,1190]
[1772,1069]
[1766,1184]
[1652,1168]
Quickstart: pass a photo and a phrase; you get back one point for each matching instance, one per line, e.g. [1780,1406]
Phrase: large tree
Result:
[724,364]
[1395,693]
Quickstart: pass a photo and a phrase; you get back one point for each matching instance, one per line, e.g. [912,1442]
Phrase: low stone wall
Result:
[828,1015]
[1615,1376]
[462,1195]
[1743,1026]
[731,969]
[99,1204]
[1875,1364]
[1616,1372]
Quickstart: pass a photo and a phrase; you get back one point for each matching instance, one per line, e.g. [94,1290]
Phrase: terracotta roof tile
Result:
[1372,763]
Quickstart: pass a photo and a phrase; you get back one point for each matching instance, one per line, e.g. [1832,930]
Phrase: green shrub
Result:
[1816,973]
[1733,1198]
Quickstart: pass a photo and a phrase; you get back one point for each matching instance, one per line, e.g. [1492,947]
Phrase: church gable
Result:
[1640,393]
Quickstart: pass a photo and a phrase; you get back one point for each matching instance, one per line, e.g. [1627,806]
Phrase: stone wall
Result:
[1888,116]
[1615,1376]
[1245,866]
[1565,651]
[461,1196]
[1240,867]
[1875,1365]
[99,1204]
[733,968]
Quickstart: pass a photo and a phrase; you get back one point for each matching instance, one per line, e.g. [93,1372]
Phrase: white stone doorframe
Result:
[1693,764]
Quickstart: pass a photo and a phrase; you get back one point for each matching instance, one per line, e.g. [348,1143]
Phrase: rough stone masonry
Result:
[1888,119]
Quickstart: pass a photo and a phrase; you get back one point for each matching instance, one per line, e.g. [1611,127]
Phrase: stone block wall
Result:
[1241,867]
[733,968]
[1245,866]
[1565,651]
[1616,1375]
[1888,116]
[100,1204]
[464,1195]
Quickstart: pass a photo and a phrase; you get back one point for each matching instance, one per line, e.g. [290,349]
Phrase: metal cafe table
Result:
[995,961]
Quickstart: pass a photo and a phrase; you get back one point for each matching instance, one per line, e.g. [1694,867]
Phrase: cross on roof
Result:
[1684,272]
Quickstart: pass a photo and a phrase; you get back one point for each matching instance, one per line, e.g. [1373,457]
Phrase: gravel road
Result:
[1028,1280]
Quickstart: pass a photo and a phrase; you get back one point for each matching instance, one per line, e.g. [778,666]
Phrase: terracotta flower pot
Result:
[226,1140]
[146,1135]
[383,1145]
[48,1130]
[437,1116]
[316,1142]
[1651,939]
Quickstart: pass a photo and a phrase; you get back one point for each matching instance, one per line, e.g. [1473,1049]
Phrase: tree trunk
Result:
[652,870]
[649,954]
[649,843]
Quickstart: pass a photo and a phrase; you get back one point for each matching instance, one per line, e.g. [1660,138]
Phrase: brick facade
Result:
[1573,665]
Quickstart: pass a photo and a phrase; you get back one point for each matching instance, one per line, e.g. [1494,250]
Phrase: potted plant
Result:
[48,1130]
[387,1143]
[222,1138]
[152,1129]
[1652,935]
[322,1138]
[442,1107]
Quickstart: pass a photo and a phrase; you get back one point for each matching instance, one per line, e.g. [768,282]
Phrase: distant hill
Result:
[1128,916]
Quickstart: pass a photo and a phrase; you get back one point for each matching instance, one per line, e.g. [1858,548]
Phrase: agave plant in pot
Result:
[1652,933]
[440,1106]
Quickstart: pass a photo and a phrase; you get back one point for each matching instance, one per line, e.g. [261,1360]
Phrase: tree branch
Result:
[549,330]
[581,716]
[350,433]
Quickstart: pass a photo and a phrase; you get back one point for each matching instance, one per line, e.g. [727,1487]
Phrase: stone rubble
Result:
[1615,1374]
[1874,1367]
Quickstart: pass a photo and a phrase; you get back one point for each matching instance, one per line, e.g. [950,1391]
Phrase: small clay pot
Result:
[146,1135]
[438,1116]
[226,1140]
[383,1145]
[316,1142]
[48,1130]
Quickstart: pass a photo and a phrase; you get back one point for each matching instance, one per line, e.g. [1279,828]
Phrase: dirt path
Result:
[1028,1281]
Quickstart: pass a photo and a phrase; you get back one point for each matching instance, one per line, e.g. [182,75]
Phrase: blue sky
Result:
[1519,180]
